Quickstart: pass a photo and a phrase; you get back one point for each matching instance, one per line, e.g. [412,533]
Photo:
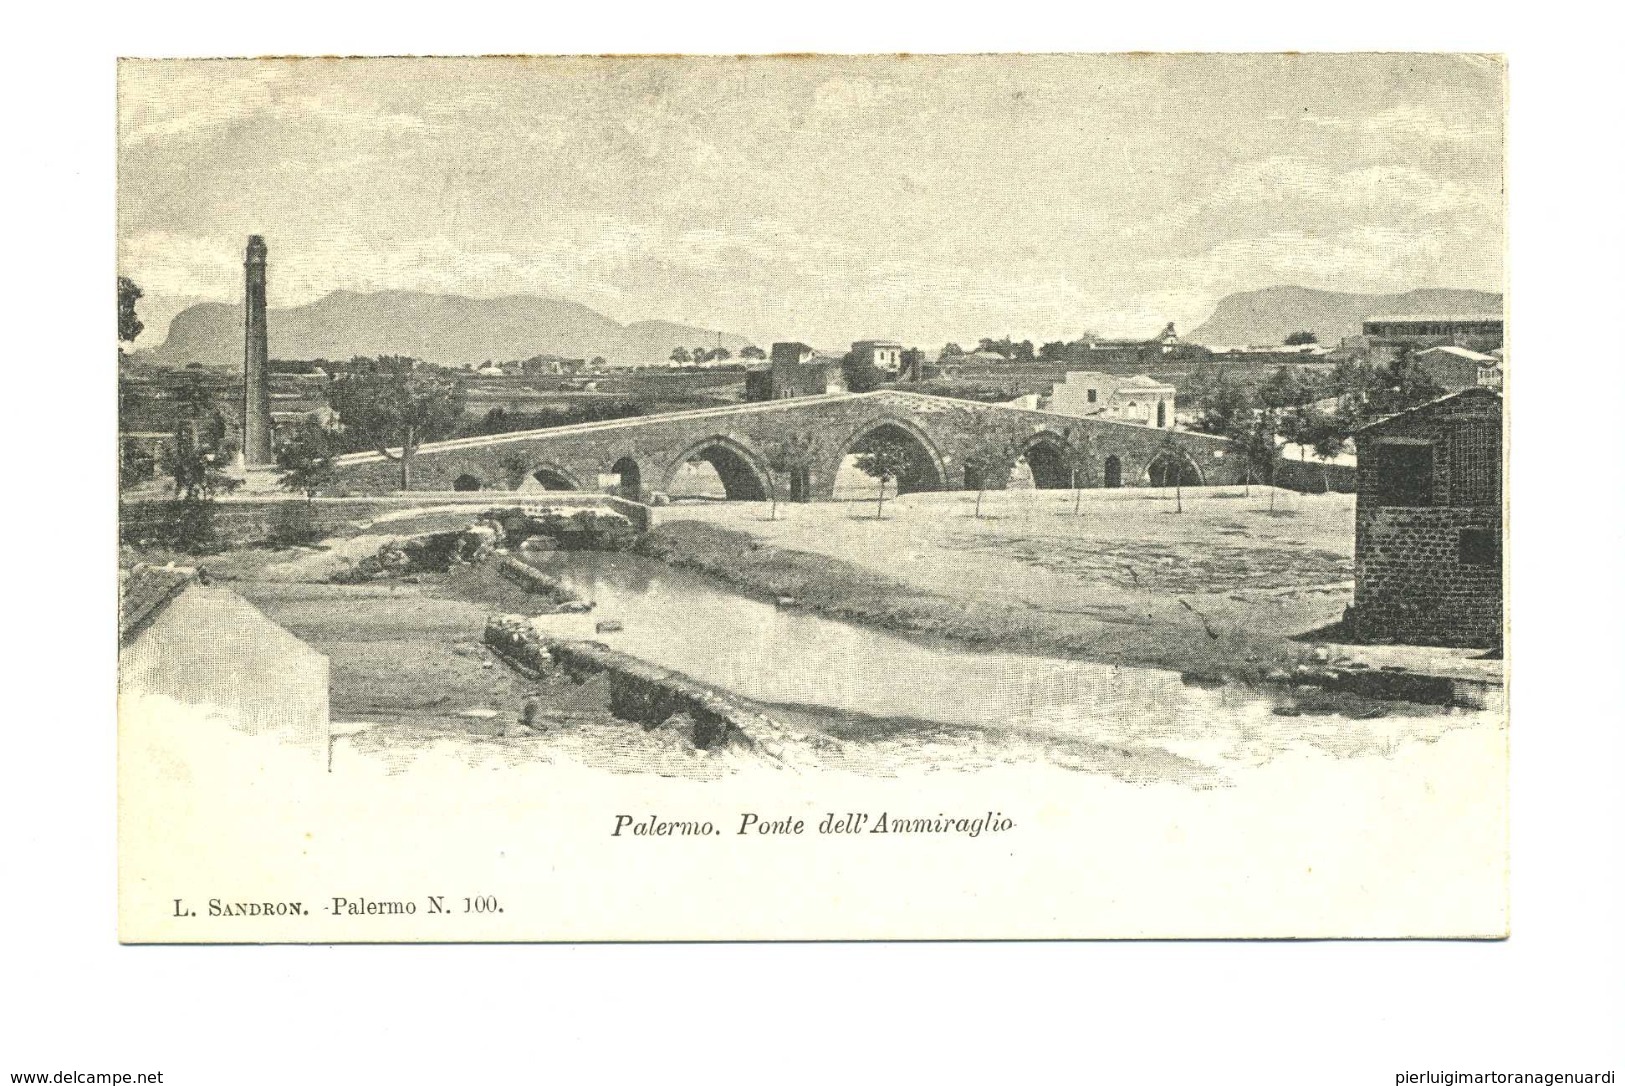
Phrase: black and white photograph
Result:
[829,544]
[895,455]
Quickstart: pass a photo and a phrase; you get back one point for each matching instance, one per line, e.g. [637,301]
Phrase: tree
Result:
[990,453]
[1174,459]
[1351,381]
[1323,434]
[884,461]
[136,464]
[1406,385]
[1283,388]
[680,355]
[791,455]
[1255,442]
[752,351]
[306,459]
[912,364]
[129,325]
[597,362]
[189,521]
[198,412]
[1054,351]
[1225,405]
[196,468]
[403,403]
[952,350]
[720,354]
[1080,464]
[1300,339]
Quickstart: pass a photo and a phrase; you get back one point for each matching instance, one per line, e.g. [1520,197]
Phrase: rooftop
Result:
[1434,317]
[1476,391]
[1460,352]
[145,591]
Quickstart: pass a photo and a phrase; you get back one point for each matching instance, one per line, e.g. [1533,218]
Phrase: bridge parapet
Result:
[797,447]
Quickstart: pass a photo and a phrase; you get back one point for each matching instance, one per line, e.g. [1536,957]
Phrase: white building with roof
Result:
[882,354]
[1138,399]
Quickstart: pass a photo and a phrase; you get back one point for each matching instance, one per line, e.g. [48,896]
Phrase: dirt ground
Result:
[1217,578]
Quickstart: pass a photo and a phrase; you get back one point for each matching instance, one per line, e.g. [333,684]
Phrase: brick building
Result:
[796,370]
[1427,530]
[1456,368]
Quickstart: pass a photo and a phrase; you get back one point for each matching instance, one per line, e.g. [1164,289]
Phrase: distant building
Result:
[882,354]
[1427,531]
[1456,368]
[787,353]
[207,646]
[1137,399]
[551,365]
[1383,338]
[796,370]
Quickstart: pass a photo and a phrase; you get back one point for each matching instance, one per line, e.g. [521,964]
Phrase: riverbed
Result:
[884,700]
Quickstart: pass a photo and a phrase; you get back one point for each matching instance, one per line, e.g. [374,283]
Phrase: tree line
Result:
[1318,412]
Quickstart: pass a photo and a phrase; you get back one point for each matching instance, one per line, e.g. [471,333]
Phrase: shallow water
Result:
[859,682]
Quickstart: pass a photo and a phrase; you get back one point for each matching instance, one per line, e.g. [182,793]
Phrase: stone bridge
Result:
[795,447]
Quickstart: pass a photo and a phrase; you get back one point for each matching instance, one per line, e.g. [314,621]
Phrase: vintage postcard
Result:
[781,498]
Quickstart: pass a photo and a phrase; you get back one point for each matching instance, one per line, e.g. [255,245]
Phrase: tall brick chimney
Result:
[256,360]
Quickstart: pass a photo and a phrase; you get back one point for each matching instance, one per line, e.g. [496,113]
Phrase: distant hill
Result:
[444,328]
[1268,316]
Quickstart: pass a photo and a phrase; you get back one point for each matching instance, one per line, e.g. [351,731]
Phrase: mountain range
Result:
[444,328]
[455,330]
[1268,316]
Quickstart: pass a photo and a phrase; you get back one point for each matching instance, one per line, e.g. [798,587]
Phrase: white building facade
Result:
[1138,399]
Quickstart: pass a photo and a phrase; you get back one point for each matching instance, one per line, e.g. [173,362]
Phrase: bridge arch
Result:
[550,476]
[926,469]
[1171,466]
[1049,459]
[744,476]
[631,478]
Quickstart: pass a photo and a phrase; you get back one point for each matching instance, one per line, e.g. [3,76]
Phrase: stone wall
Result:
[1305,476]
[1411,582]
[1410,586]
[254,519]
[639,691]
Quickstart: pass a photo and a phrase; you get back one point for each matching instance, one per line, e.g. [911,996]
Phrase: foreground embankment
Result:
[1179,599]
[841,589]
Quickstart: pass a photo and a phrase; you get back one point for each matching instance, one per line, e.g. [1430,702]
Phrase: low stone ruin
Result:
[494,531]
[639,692]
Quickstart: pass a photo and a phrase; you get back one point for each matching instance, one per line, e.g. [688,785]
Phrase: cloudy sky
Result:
[825,200]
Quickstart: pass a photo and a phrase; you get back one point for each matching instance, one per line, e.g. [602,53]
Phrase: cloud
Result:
[161,100]
[1410,122]
[843,95]
[165,263]
[1416,122]
[1389,187]
[1367,258]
